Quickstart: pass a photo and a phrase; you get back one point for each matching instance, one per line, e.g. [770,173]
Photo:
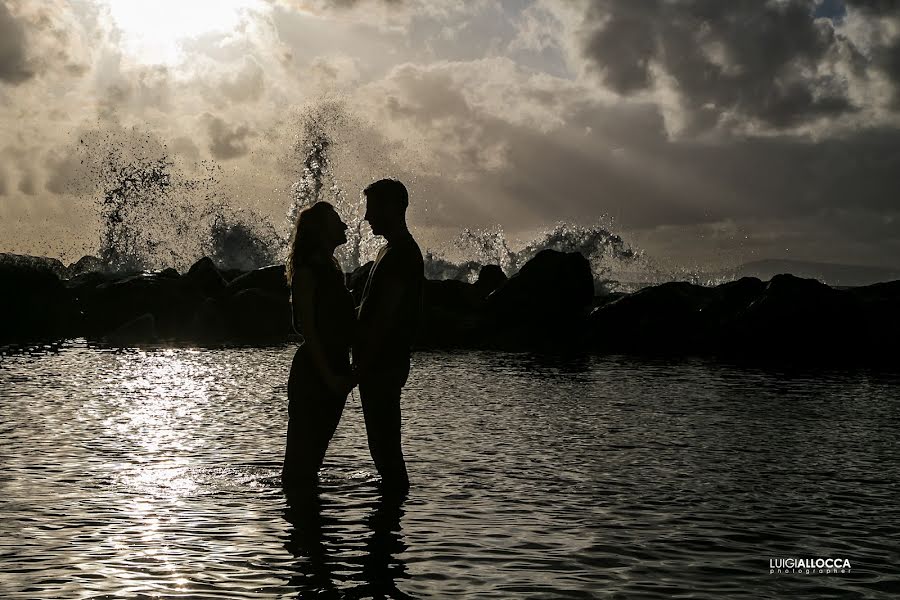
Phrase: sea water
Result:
[155,473]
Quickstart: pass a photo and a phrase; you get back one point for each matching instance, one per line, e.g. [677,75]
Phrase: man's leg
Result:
[381,409]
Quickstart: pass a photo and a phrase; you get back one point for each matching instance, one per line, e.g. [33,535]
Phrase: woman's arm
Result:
[303,308]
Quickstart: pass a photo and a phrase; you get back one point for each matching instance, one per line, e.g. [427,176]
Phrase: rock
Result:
[452,314]
[210,322]
[490,277]
[86,264]
[653,319]
[171,301]
[793,316]
[230,275]
[787,319]
[38,263]
[139,330]
[878,306]
[258,315]
[34,304]
[271,279]
[547,301]
[205,277]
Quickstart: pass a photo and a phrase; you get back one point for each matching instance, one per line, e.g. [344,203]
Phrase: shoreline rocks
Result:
[548,304]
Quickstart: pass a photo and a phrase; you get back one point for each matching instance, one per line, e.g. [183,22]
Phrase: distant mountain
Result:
[830,273]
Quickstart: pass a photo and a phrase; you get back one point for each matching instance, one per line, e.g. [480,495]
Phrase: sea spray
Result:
[318,126]
[241,239]
[129,187]
[155,212]
[607,252]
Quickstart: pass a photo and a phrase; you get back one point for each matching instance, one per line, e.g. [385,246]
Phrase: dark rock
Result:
[662,317]
[792,316]
[230,275]
[452,314]
[109,305]
[34,304]
[259,315]
[547,301]
[85,264]
[490,277]
[271,279]
[210,321]
[250,315]
[139,330]
[451,294]
[85,282]
[205,277]
[786,319]
[170,273]
[878,307]
[38,263]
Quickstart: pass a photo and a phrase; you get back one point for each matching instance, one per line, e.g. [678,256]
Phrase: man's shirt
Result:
[398,269]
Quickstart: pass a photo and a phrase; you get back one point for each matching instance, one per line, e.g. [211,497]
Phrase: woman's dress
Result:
[314,410]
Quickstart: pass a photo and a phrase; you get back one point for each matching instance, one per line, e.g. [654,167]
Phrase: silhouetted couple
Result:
[380,333]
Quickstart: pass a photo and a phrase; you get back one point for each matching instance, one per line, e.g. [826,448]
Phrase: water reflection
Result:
[154,473]
[331,563]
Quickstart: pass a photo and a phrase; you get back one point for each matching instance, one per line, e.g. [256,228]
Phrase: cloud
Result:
[38,38]
[747,65]
[227,141]
[880,20]
[487,141]
[693,121]
[13,66]
[246,84]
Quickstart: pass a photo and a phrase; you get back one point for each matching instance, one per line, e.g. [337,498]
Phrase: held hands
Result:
[341,385]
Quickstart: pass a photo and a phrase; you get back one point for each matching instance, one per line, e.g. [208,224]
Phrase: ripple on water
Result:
[155,473]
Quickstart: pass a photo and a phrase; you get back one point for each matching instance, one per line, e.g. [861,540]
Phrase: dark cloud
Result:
[771,62]
[226,141]
[618,160]
[40,37]
[875,6]
[886,55]
[13,64]
[28,184]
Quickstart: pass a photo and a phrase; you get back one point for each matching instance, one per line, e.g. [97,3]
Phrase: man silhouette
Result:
[388,319]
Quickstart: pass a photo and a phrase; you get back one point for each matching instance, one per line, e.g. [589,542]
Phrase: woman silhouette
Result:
[323,313]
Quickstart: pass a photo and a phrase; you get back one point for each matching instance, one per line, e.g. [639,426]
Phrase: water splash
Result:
[155,212]
[241,239]
[319,125]
[148,206]
[130,189]
[607,252]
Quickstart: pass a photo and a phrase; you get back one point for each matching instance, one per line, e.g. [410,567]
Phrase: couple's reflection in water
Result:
[342,556]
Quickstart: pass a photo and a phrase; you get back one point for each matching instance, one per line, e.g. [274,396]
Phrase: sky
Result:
[707,133]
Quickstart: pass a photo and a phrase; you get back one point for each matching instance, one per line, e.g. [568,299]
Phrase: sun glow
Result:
[153,32]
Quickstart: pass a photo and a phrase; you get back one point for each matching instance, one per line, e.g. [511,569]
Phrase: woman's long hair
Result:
[306,239]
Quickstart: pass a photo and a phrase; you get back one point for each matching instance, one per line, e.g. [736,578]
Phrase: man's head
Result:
[386,202]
